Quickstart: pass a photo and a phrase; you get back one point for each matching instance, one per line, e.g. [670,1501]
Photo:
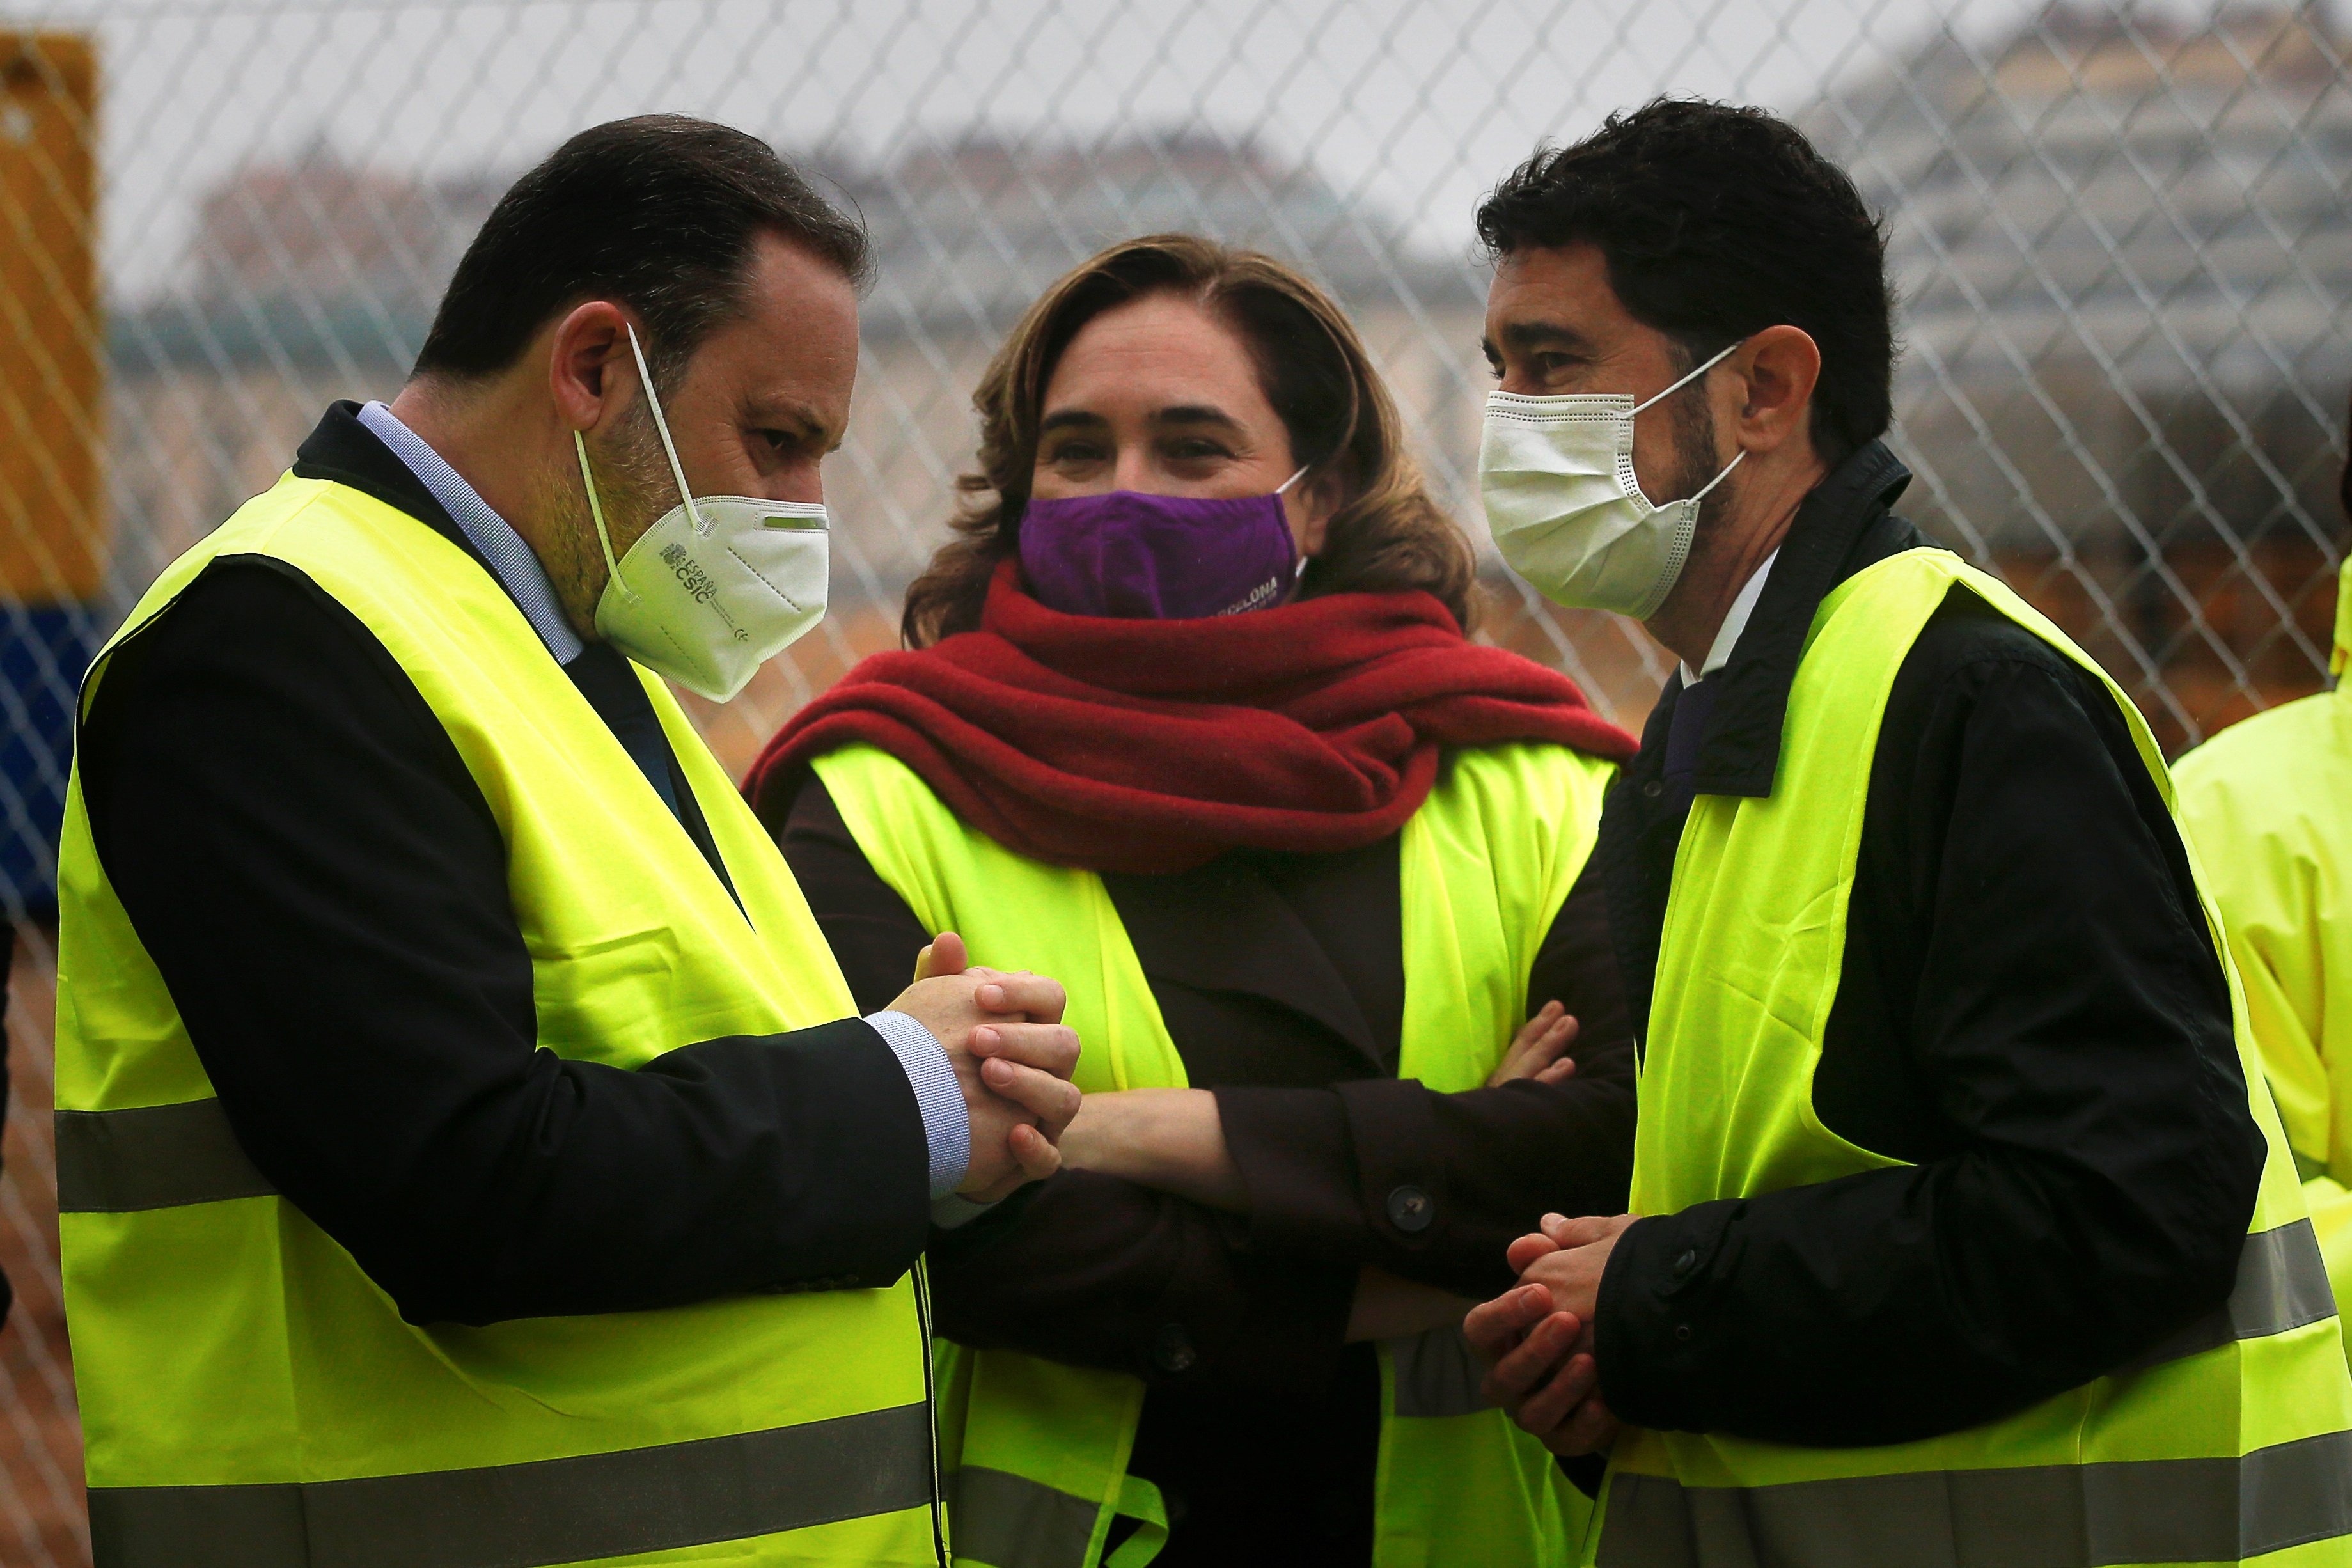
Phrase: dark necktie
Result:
[1685,727]
[605,678]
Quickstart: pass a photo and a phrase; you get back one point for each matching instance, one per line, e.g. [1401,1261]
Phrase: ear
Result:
[591,374]
[1311,508]
[1772,381]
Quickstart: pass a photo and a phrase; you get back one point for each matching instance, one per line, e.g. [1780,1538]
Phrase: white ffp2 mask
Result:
[1566,513]
[717,587]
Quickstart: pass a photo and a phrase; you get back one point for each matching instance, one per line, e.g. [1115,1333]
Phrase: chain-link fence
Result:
[2120,234]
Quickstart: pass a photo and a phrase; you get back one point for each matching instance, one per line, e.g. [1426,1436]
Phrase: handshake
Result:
[1012,1058]
[1536,1337]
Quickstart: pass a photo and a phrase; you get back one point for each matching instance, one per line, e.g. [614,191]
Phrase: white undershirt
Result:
[1735,621]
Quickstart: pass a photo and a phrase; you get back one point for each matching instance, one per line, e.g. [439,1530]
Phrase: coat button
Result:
[1654,788]
[1411,1210]
[1682,1333]
[1171,1350]
[1685,1263]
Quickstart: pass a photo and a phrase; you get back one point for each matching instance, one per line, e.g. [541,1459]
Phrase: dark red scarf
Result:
[1134,745]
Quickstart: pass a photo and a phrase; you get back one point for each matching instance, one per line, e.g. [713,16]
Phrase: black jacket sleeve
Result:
[1326,1166]
[2033,1014]
[322,888]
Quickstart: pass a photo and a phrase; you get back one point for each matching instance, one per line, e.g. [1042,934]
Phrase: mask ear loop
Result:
[597,510]
[653,401]
[1688,379]
[1300,570]
[1718,479]
[1694,375]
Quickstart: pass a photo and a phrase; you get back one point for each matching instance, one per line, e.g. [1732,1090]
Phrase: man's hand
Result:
[1537,1050]
[1536,1337]
[1012,1058]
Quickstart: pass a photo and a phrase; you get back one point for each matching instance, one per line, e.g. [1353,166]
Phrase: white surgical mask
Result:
[716,588]
[1568,514]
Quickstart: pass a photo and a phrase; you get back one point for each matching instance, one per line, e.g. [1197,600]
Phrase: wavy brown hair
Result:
[1387,535]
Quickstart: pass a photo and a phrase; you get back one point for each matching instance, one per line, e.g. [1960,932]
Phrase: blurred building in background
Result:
[2122,245]
[2125,250]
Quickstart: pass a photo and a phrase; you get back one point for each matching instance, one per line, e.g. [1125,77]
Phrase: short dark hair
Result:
[1716,222]
[657,213]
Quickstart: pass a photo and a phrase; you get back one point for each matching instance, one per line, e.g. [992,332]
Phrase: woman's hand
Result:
[1171,1139]
[1537,1050]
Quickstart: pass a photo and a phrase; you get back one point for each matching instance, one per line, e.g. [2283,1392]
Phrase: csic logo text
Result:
[690,575]
[698,586]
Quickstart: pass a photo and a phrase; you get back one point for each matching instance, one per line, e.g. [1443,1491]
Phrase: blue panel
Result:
[43,653]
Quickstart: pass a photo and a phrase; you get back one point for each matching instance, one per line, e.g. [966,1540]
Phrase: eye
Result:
[1076,450]
[1196,447]
[774,442]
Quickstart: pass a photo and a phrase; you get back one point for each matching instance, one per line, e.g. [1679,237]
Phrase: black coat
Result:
[2031,1012]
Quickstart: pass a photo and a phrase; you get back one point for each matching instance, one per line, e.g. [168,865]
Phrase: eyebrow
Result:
[1195,414]
[1175,413]
[1526,335]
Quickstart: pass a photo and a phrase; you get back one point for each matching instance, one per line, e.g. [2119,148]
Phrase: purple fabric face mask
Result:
[1147,557]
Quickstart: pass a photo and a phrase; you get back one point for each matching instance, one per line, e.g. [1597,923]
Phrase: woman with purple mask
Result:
[1188,719]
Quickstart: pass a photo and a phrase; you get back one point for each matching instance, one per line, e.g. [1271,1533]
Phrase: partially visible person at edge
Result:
[468,1147]
[1962,1231]
[2269,806]
[1189,721]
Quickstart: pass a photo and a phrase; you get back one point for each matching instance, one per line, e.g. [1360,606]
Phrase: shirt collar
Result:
[1840,528]
[1735,621]
[502,550]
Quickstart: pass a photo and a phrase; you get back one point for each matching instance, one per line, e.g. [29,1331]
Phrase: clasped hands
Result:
[1536,1337]
[1012,1058]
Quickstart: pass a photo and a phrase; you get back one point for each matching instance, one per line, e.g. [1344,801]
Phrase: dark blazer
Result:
[323,887]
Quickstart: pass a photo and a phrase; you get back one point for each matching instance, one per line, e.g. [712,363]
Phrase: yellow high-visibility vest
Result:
[248,1393]
[1038,1451]
[2232,1444]
[2269,803]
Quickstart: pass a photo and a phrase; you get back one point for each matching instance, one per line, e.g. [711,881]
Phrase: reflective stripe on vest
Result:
[2282,1285]
[1013,1522]
[2039,1516]
[151,1157]
[1484,868]
[2217,1442]
[548,1511]
[250,1396]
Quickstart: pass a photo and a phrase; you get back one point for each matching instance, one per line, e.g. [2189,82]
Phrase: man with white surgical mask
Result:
[467,1150]
[1963,1231]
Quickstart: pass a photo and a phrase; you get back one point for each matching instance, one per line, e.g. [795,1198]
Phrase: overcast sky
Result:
[1415,105]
